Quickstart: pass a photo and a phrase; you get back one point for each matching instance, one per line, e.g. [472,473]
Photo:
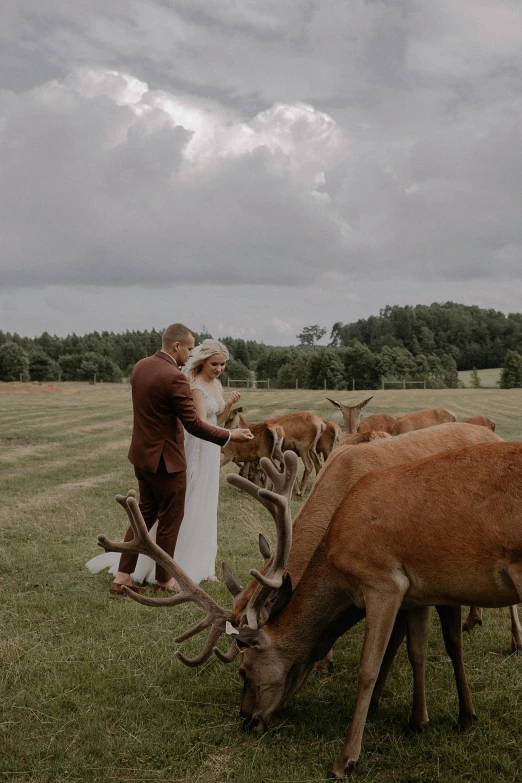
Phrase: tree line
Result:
[414,343]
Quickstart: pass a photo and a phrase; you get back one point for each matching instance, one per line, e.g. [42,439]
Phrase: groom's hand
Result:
[240,435]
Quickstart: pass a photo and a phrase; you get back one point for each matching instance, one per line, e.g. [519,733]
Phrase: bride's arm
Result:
[199,402]
[234,397]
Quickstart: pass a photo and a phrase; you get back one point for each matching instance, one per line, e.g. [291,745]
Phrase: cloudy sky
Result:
[255,166]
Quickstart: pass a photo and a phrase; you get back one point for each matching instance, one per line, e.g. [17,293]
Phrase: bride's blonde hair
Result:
[200,355]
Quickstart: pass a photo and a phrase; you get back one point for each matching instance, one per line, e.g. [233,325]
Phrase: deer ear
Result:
[334,402]
[284,595]
[231,582]
[264,547]
[365,402]
[251,638]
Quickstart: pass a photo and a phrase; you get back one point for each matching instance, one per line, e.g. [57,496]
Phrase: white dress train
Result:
[196,547]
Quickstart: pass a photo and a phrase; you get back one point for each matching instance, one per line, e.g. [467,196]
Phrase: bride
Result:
[196,547]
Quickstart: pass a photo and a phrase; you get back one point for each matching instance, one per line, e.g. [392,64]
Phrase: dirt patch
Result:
[16,386]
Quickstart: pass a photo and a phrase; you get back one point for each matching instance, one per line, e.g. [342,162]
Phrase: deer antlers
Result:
[216,617]
[278,502]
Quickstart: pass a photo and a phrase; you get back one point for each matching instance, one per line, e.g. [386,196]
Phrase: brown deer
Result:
[363,437]
[302,431]
[482,421]
[266,442]
[418,420]
[352,414]
[377,422]
[445,530]
[331,436]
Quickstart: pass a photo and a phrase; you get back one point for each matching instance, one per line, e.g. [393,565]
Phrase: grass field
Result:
[90,689]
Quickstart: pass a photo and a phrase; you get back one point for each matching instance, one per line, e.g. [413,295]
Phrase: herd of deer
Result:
[404,515]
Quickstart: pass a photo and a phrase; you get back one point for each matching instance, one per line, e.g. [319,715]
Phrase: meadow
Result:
[90,688]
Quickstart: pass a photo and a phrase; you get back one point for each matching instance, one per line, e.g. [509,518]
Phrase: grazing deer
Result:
[331,436]
[419,420]
[482,421]
[445,530]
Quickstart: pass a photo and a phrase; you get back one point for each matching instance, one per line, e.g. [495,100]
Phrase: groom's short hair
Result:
[175,333]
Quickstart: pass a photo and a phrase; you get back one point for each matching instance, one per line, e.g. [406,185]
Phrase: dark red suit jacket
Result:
[163,405]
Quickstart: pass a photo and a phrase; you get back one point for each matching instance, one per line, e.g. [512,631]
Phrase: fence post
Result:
[21,377]
[268,385]
[325,384]
[403,385]
[59,378]
[297,383]
[353,384]
[382,384]
[95,379]
[228,383]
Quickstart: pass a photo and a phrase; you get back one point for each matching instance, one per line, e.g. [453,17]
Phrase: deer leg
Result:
[398,634]
[381,611]
[308,467]
[516,631]
[418,631]
[324,665]
[450,619]
[474,618]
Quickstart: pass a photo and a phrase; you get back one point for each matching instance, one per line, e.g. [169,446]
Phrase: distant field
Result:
[488,378]
[90,689]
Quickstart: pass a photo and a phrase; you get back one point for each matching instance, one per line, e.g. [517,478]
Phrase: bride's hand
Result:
[234,397]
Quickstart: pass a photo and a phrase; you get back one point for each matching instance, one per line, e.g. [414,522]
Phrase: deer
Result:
[352,414]
[302,431]
[483,421]
[266,442]
[418,420]
[377,422]
[393,544]
[331,435]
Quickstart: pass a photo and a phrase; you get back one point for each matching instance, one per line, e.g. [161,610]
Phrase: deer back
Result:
[419,420]
[377,422]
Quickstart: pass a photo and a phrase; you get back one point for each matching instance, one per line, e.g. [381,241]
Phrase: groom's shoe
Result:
[116,589]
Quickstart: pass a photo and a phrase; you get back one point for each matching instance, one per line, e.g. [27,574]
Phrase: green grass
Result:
[489,379]
[90,689]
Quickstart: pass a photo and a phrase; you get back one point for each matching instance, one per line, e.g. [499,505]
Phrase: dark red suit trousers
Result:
[162,498]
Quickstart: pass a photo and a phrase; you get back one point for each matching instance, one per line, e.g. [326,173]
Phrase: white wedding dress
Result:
[196,547]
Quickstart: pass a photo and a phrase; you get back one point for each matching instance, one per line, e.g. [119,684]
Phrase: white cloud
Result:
[325,151]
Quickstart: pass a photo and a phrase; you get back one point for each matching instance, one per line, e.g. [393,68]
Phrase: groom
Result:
[162,405]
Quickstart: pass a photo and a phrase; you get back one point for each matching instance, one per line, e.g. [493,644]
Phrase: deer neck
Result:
[322,608]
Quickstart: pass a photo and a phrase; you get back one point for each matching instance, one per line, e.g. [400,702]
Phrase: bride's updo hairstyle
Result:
[200,355]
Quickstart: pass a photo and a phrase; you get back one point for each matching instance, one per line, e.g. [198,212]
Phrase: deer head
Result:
[352,414]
